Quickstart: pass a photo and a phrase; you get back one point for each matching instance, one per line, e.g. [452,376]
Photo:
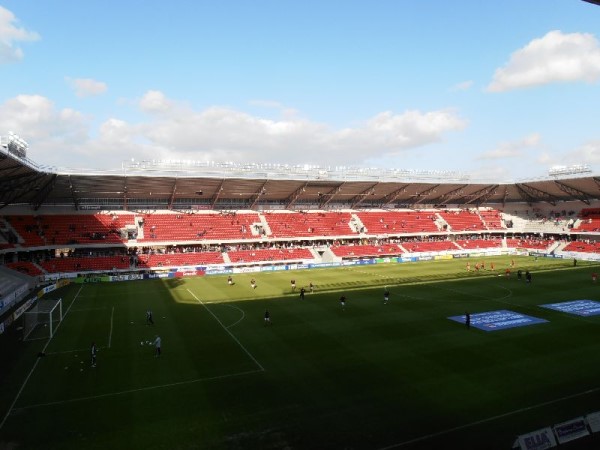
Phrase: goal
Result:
[41,321]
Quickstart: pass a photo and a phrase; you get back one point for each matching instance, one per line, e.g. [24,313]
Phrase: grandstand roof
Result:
[22,182]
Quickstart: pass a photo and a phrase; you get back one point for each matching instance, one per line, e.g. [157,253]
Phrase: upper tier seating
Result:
[429,246]
[298,224]
[196,227]
[398,222]
[462,220]
[590,220]
[366,250]
[492,219]
[26,267]
[179,259]
[584,247]
[269,254]
[470,244]
[79,264]
[535,244]
[70,229]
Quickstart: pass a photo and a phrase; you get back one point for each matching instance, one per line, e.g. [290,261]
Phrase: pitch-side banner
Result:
[537,440]
[593,421]
[571,430]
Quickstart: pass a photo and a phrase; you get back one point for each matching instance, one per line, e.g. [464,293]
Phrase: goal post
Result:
[41,321]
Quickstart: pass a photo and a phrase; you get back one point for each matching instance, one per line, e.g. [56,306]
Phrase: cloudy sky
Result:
[496,90]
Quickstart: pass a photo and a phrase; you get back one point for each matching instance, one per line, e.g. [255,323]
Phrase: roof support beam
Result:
[424,194]
[73,194]
[215,197]
[482,195]
[392,196]
[289,202]
[44,192]
[455,193]
[580,195]
[326,198]
[362,196]
[531,194]
[257,195]
[172,198]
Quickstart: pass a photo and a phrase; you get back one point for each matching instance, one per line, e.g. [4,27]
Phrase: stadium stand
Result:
[358,251]
[80,264]
[26,267]
[269,254]
[309,224]
[179,259]
[473,244]
[398,222]
[420,246]
[462,220]
[203,226]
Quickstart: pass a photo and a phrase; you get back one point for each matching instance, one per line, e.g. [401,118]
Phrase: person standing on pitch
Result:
[157,345]
[93,352]
[267,317]
[149,320]
[302,292]
[468,320]
[386,296]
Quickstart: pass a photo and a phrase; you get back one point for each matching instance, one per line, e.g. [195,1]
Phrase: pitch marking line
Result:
[240,319]
[489,419]
[131,391]
[87,309]
[82,350]
[227,330]
[37,361]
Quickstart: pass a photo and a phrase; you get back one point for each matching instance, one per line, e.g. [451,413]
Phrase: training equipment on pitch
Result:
[41,321]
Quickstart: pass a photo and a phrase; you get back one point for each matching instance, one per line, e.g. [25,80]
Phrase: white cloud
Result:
[175,131]
[462,86]
[556,57]
[86,87]
[155,102]
[222,133]
[513,149]
[589,153]
[10,35]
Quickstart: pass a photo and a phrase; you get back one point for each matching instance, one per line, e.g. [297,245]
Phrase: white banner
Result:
[571,430]
[593,421]
[537,440]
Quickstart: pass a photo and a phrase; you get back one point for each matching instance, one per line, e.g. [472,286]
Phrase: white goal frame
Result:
[46,313]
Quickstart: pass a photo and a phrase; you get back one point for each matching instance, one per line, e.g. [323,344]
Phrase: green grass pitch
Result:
[367,376]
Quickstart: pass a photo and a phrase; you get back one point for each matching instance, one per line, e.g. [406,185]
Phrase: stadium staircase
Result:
[264,224]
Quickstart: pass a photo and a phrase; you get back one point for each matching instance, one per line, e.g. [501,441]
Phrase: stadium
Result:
[86,255]
[256,274]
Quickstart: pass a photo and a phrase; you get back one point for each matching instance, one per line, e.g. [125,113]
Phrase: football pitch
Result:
[368,375]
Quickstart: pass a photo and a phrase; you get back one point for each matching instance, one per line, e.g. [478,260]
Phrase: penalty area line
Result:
[35,364]
[133,391]
[228,332]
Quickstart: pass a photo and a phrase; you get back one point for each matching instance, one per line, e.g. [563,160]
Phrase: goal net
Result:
[40,322]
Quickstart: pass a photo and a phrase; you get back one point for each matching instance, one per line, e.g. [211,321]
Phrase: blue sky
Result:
[500,91]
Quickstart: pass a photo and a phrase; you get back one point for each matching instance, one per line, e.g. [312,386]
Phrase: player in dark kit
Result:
[302,291]
[149,320]
[93,352]
[386,296]
[267,317]
[468,320]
